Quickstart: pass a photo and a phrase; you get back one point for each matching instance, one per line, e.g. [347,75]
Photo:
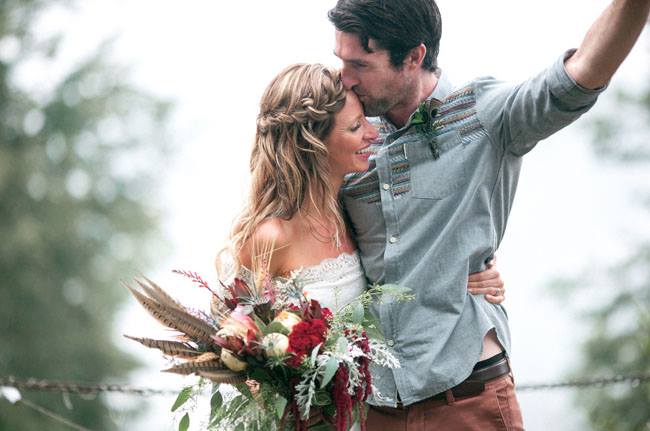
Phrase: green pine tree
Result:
[78,165]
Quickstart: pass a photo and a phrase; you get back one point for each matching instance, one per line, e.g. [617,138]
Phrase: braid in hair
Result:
[289,163]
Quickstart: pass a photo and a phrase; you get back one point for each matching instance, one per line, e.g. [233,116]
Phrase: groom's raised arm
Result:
[608,42]
[517,117]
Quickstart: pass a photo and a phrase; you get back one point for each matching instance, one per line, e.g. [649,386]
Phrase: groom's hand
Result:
[488,283]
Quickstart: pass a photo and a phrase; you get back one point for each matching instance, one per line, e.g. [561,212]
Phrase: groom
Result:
[434,204]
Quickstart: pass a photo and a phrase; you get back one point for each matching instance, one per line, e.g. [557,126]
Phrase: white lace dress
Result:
[334,282]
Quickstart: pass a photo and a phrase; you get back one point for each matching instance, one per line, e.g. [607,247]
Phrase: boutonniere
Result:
[423,118]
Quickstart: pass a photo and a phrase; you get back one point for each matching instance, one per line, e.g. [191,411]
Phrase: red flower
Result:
[304,337]
[342,399]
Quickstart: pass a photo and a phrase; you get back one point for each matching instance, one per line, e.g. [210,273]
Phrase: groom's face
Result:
[379,85]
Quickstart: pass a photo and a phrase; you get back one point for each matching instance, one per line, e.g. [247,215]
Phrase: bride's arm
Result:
[488,283]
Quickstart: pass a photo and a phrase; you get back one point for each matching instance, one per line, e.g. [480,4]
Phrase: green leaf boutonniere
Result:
[423,117]
[423,120]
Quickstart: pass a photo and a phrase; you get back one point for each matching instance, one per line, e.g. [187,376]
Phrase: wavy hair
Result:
[396,26]
[289,161]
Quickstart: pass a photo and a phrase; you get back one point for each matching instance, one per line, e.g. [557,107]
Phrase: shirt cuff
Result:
[567,87]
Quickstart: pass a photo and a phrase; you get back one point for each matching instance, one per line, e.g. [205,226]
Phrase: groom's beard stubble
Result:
[374,107]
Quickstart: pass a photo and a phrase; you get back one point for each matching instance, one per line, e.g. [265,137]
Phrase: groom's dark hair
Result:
[395,25]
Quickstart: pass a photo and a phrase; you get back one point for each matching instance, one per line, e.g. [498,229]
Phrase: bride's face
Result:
[349,141]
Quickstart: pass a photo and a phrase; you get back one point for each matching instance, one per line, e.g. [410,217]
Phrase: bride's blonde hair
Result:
[289,163]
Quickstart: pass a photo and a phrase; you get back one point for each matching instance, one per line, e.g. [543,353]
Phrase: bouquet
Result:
[297,354]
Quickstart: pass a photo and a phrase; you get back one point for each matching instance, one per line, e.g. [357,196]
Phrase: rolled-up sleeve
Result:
[517,116]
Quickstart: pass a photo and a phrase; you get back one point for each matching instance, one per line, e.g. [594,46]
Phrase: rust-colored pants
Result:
[496,408]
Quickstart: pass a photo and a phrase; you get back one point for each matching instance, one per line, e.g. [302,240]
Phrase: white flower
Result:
[287,319]
[275,344]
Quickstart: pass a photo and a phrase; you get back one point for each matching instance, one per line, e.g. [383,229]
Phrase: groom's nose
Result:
[348,77]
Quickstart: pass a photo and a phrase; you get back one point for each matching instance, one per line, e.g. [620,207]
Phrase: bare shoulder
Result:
[270,238]
[272,231]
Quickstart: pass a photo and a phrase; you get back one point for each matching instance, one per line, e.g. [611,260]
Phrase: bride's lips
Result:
[364,152]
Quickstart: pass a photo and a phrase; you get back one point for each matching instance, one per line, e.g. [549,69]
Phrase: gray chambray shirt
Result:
[426,223]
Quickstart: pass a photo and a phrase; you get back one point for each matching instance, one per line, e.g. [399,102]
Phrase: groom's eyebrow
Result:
[352,60]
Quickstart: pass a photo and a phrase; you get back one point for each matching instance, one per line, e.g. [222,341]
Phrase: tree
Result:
[78,165]
[619,328]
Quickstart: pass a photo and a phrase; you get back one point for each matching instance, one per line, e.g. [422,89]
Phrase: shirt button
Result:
[390,343]
[393,239]
[386,186]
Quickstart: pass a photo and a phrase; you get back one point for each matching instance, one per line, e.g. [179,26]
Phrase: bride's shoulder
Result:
[271,238]
[273,233]
[273,229]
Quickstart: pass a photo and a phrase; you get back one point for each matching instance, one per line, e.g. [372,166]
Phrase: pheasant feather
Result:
[213,370]
[192,367]
[171,348]
[156,292]
[175,318]
[225,376]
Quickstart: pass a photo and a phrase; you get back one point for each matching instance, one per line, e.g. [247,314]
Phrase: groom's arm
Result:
[608,42]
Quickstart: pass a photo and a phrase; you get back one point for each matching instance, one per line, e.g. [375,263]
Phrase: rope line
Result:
[50,414]
[33,384]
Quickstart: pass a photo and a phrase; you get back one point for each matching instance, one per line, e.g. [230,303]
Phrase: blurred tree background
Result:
[80,157]
[617,310]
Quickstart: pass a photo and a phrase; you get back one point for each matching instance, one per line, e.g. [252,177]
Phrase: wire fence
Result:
[94,389]
[32,384]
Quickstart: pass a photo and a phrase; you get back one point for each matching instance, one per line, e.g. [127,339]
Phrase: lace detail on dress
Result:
[334,282]
[330,268]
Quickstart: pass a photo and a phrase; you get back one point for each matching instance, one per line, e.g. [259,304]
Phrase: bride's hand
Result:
[488,283]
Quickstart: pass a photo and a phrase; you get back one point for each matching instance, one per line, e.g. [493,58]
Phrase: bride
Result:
[311,132]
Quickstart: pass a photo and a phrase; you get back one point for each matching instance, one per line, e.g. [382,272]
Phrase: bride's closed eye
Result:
[355,126]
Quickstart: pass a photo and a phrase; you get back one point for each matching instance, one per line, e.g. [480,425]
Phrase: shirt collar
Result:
[442,89]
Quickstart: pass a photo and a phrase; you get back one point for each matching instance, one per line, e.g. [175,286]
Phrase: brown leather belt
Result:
[474,384]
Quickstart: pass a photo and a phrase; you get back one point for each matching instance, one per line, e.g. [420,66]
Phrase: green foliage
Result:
[619,344]
[184,424]
[182,397]
[77,171]
[619,331]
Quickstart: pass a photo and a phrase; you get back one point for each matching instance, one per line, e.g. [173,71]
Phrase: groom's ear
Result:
[415,56]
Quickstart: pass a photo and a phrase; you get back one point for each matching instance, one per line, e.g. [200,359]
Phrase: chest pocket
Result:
[433,178]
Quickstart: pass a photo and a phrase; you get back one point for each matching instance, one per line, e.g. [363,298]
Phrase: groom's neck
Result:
[418,93]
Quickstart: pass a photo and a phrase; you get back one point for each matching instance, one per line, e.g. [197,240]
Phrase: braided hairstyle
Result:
[289,162]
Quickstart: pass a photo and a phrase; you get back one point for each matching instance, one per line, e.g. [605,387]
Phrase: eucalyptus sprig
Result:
[358,310]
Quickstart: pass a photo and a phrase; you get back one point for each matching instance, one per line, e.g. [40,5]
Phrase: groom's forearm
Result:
[608,42]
